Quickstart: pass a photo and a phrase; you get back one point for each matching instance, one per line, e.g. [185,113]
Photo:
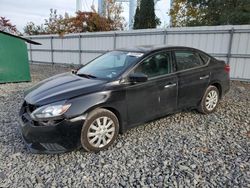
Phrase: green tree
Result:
[186,13]
[57,24]
[113,11]
[235,12]
[146,17]
[203,12]
[137,18]
[32,29]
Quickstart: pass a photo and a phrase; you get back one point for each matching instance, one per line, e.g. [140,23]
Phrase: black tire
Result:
[86,130]
[202,107]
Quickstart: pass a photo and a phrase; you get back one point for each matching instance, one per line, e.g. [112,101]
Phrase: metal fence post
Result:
[80,48]
[230,45]
[114,36]
[51,48]
[165,36]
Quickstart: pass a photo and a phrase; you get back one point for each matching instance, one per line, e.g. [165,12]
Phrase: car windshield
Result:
[110,65]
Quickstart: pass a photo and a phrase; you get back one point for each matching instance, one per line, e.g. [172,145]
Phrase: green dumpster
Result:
[14,64]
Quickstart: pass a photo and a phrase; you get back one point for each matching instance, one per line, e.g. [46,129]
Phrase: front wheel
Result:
[99,130]
[209,101]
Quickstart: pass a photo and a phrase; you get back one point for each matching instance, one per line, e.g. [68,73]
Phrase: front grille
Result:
[31,107]
[26,111]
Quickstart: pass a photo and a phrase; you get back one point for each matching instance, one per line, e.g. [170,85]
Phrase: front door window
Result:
[156,65]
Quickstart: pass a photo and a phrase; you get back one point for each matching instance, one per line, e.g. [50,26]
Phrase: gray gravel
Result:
[183,150]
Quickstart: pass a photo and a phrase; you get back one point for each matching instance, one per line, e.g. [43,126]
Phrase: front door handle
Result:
[170,85]
[204,77]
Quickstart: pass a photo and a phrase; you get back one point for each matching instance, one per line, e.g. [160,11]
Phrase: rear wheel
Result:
[210,100]
[99,130]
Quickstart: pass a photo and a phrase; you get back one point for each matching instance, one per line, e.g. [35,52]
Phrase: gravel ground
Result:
[183,150]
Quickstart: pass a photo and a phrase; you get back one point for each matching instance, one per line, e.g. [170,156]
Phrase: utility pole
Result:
[102,7]
[78,5]
[132,8]
[170,20]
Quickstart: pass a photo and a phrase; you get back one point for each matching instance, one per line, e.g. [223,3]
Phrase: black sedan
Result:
[117,91]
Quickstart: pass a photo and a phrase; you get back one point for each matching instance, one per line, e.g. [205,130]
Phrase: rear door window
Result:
[187,60]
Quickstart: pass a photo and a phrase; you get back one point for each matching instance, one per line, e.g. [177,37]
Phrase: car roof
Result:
[151,48]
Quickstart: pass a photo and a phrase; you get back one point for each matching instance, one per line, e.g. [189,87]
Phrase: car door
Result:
[146,101]
[167,84]
[193,77]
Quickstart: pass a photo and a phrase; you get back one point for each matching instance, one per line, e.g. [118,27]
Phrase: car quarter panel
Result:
[219,76]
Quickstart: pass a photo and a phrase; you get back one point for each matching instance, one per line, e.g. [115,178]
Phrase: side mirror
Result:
[138,77]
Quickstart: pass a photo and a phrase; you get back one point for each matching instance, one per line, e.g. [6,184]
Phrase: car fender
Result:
[105,99]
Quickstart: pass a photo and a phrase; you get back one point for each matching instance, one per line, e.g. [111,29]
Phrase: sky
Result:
[23,11]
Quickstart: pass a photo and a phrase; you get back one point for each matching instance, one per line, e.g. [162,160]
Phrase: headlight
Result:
[50,111]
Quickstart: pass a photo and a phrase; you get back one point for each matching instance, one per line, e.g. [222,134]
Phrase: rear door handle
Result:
[204,77]
[170,85]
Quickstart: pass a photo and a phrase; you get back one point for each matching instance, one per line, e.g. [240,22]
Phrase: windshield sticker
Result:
[135,54]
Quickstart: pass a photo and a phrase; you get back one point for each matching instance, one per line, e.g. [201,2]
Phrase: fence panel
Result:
[229,43]
[65,44]
[135,40]
[86,57]
[41,56]
[97,43]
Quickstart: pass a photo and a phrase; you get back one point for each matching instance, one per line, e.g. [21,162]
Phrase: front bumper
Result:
[60,137]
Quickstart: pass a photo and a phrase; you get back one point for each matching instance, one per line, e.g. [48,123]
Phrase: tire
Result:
[100,130]
[212,95]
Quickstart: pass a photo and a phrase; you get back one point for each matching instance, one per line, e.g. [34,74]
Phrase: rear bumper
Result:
[60,137]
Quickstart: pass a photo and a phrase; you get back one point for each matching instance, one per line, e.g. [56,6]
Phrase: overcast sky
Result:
[23,11]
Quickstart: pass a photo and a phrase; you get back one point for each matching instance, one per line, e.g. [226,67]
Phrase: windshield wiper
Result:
[86,75]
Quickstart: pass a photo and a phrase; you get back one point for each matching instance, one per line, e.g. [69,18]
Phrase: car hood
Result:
[61,87]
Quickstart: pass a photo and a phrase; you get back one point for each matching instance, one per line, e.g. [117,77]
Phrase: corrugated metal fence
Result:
[230,43]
